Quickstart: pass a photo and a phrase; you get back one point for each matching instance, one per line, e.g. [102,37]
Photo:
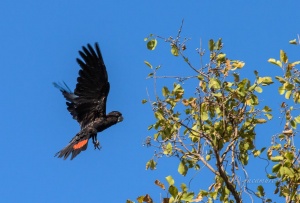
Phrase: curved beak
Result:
[120,118]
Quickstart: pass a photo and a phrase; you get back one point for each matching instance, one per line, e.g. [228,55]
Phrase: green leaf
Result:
[266,109]
[271,176]
[170,180]
[296,63]
[280,79]
[286,171]
[168,149]
[260,191]
[159,115]
[151,164]
[129,201]
[269,116]
[148,64]
[288,94]
[183,187]
[211,45]
[187,196]
[237,65]
[182,168]
[256,153]
[293,41]
[173,191]
[219,44]
[289,156]
[221,57]
[293,124]
[276,168]
[281,90]
[258,89]
[273,61]
[297,119]
[165,91]
[144,101]
[265,80]
[152,44]
[283,57]
[174,50]
[214,83]
[204,115]
[140,199]
[260,121]
[276,158]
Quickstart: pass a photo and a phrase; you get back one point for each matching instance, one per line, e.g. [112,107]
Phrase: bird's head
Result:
[116,115]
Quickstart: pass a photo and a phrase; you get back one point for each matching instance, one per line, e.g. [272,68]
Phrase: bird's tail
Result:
[68,94]
[77,144]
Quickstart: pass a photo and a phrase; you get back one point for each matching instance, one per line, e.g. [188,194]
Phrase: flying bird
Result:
[87,104]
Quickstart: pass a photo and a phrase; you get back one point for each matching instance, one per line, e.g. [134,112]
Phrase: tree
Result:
[215,127]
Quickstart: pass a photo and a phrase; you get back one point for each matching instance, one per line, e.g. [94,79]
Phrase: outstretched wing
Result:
[92,87]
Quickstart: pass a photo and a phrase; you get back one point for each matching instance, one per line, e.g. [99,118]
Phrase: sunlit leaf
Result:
[266,109]
[221,57]
[297,119]
[258,89]
[168,149]
[170,180]
[271,176]
[140,199]
[281,90]
[144,101]
[269,116]
[280,79]
[283,57]
[237,65]
[296,63]
[276,158]
[273,61]
[151,164]
[165,91]
[260,191]
[187,196]
[294,41]
[148,64]
[174,50]
[288,94]
[286,171]
[152,44]
[289,156]
[182,168]
[214,83]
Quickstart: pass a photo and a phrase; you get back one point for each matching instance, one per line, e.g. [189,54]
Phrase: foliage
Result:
[216,126]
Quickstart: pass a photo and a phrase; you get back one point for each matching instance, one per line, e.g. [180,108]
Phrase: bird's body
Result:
[88,102]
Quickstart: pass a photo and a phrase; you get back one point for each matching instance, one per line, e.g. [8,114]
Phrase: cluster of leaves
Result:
[283,151]
[215,127]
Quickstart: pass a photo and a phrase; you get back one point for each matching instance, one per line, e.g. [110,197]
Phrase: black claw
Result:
[97,145]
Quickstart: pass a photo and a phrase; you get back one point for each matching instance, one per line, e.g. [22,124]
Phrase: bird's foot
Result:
[97,144]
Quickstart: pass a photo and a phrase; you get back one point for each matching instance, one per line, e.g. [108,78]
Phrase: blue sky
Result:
[39,43]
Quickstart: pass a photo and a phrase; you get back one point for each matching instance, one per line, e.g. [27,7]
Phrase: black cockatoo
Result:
[88,102]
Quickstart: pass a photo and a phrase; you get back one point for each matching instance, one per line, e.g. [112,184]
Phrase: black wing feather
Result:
[92,87]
